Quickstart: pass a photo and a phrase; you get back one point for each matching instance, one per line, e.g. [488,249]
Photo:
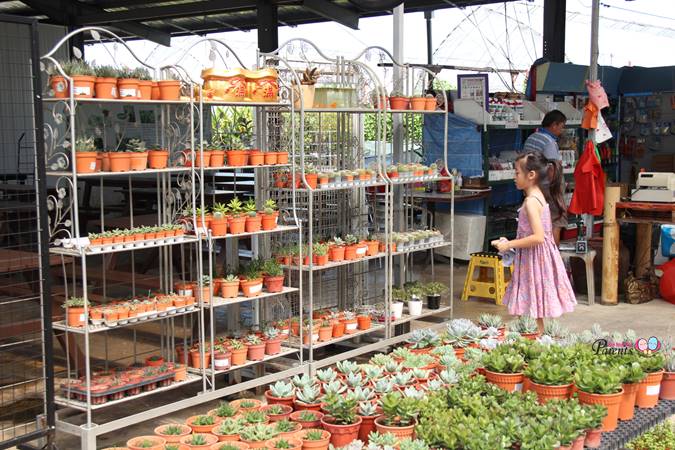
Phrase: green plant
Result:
[173,447]
[383,385]
[270,206]
[435,288]
[413,444]
[219,210]
[423,338]
[75,302]
[235,207]
[286,426]
[302,381]
[197,439]
[504,361]
[203,420]
[282,443]
[308,394]
[85,144]
[550,369]
[275,409]
[661,437]
[142,74]
[246,404]
[388,439]
[258,432]
[313,435]
[347,367]
[106,71]
[226,446]
[342,409]
[598,379]
[146,443]
[136,146]
[250,208]
[350,239]
[272,268]
[399,410]
[651,363]
[490,321]
[172,430]
[524,325]
[320,249]
[77,67]
[307,416]
[231,426]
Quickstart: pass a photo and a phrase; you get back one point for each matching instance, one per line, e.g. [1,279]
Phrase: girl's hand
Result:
[502,245]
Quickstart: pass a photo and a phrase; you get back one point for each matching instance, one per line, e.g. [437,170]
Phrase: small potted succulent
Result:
[341,422]
[146,442]
[280,393]
[270,215]
[256,348]
[398,415]
[272,339]
[173,432]
[229,429]
[257,435]
[368,411]
[307,419]
[199,440]
[314,439]
[434,291]
[273,278]
[398,101]
[85,155]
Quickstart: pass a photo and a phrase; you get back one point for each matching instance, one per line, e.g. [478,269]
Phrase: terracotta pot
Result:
[530,336]
[83,86]
[282,157]
[85,162]
[256,352]
[155,95]
[510,382]
[203,294]
[578,443]
[336,253]
[321,444]
[106,87]
[222,360]
[105,161]
[338,329]
[169,89]
[398,103]
[137,442]
[205,155]
[269,221]
[648,391]
[237,224]
[418,103]
[173,438]
[312,180]
[300,406]
[367,426]
[59,85]
[270,158]
[195,359]
[145,89]
[76,317]
[237,158]
[546,392]
[255,444]
[399,432]
[229,289]
[351,325]
[527,384]
[256,158]
[127,88]
[610,401]
[373,248]
[251,288]
[217,158]
[667,386]
[202,428]
[253,224]
[341,435]
[120,161]
[219,227]
[321,260]
[239,356]
[593,438]
[139,161]
[158,159]
[627,405]
[295,417]
[180,372]
[363,322]
[285,415]
[430,104]
[350,252]
[285,401]
[325,333]
[151,361]
[273,346]
[274,284]
[210,440]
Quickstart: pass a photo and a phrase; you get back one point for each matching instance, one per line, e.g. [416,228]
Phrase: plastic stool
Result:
[588,258]
[494,289]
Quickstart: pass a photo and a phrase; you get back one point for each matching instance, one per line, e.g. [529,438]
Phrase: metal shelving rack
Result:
[307,213]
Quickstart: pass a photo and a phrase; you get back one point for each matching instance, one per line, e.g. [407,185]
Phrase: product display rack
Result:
[181,125]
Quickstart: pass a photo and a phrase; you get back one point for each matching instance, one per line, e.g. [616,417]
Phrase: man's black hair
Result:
[553,117]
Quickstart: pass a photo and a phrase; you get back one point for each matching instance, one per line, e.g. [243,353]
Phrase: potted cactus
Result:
[146,442]
[270,215]
[229,429]
[219,219]
[257,435]
[237,220]
[173,432]
[251,279]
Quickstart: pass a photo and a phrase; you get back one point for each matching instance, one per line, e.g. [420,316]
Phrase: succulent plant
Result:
[449,376]
[326,375]
[354,379]
[490,320]
[334,387]
[282,389]
[383,385]
[347,366]
[367,409]
[300,381]
[258,432]
[308,394]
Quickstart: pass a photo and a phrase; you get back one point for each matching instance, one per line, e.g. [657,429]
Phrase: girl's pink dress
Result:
[540,286]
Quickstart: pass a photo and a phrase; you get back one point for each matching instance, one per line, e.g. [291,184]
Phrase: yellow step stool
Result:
[481,287]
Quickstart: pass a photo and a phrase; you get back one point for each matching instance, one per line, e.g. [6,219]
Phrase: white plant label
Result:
[221,362]
[81,317]
[352,326]
[257,288]
[92,166]
[82,90]
[519,387]
[361,251]
[315,337]
[127,92]
[654,389]
[60,86]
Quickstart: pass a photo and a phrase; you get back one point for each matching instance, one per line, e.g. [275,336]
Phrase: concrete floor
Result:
[656,318]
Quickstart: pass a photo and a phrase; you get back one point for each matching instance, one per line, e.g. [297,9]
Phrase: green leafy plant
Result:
[651,363]
[286,426]
[490,321]
[275,409]
[172,430]
[307,416]
[326,375]
[423,338]
[204,420]
[524,325]
[85,144]
[75,302]
[435,288]
[550,369]
[313,435]
[342,409]
[235,207]
[282,443]
[308,394]
[136,146]
[398,410]
[270,206]
[598,379]
[246,404]
[661,437]
[258,432]
[106,71]
[381,440]
[413,444]
[197,439]
[504,361]
[231,426]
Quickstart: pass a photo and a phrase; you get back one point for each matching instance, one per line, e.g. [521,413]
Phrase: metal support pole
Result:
[593,75]
[268,26]
[397,131]
[428,16]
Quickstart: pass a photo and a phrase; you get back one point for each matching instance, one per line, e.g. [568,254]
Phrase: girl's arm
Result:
[533,209]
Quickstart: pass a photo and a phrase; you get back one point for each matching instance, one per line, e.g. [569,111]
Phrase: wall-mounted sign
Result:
[474,87]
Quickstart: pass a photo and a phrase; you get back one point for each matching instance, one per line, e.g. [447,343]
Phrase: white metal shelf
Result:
[294,342]
[220,301]
[278,229]
[100,250]
[140,319]
[181,101]
[65,173]
[425,313]
[82,406]
[422,247]
[285,351]
[364,110]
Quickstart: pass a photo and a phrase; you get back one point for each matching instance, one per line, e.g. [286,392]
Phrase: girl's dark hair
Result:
[549,177]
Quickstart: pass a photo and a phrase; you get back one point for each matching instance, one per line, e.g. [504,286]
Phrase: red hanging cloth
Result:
[589,190]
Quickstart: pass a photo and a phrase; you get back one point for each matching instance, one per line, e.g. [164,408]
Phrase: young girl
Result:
[539,287]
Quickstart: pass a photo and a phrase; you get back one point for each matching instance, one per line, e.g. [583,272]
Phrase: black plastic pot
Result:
[433,301]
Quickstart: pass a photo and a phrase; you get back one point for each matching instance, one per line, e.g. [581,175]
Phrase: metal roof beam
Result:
[63,16]
[165,12]
[334,12]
